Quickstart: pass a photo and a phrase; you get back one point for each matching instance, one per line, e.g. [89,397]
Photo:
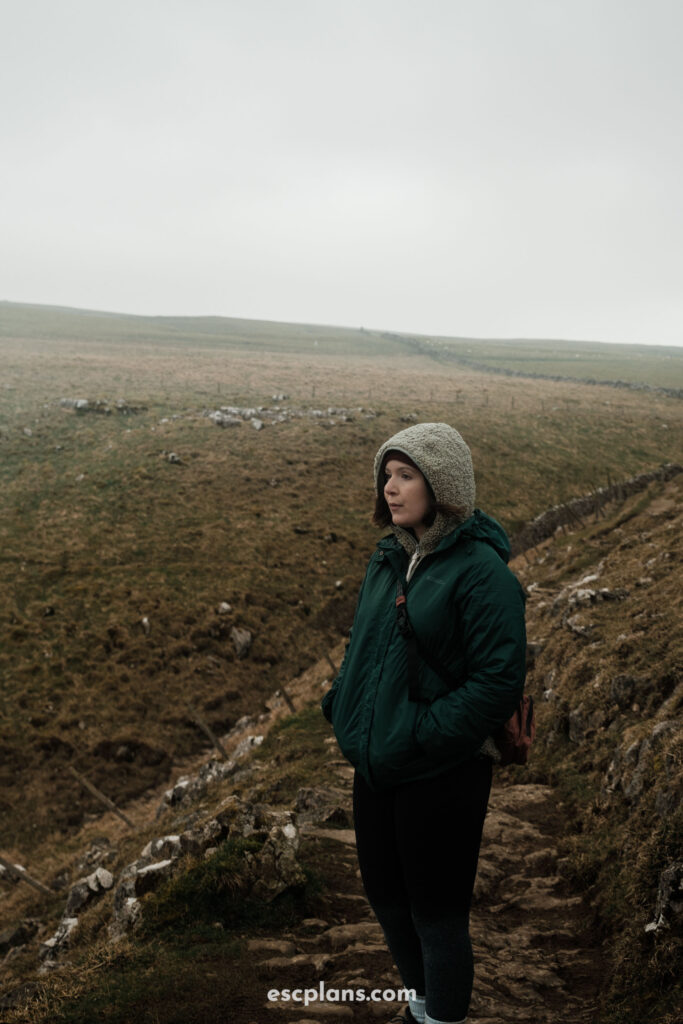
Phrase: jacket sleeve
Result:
[492,629]
[328,700]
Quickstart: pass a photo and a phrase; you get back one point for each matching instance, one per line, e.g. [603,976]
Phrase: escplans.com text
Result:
[323,994]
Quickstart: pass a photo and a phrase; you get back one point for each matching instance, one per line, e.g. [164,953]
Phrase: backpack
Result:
[514,738]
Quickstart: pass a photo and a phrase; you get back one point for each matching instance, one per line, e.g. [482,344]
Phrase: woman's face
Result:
[407,495]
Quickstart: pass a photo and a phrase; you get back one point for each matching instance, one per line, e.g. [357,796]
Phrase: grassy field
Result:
[657,365]
[115,561]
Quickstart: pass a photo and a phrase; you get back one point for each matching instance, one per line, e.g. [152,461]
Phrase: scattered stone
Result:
[314,924]
[222,419]
[246,746]
[573,624]
[49,951]
[100,851]
[281,946]
[242,639]
[224,608]
[233,415]
[186,789]
[83,405]
[165,847]
[173,458]
[318,806]
[87,889]
[577,725]
[669,907]
[267,873]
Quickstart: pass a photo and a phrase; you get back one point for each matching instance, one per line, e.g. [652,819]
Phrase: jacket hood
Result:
[482,527]
[443,458]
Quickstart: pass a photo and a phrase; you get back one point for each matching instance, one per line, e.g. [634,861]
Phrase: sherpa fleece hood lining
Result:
[444,459]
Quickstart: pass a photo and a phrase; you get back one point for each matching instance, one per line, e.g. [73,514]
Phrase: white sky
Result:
[508,168]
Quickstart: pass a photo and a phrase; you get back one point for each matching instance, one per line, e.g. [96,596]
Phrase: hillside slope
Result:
[604,617]
[578,919]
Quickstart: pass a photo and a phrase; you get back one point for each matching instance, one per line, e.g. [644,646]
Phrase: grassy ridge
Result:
[53,324]
[99,531]
[657,365]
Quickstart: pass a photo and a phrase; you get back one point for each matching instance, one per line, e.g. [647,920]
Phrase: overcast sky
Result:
[494,168]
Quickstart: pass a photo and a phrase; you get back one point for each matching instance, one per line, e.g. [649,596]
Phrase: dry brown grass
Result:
[99,531]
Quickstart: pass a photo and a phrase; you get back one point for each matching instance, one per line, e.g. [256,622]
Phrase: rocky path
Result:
[534,960]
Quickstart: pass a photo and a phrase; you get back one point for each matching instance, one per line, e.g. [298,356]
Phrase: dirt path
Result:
[534,961]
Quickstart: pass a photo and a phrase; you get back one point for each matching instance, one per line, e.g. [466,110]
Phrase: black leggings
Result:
[418,846]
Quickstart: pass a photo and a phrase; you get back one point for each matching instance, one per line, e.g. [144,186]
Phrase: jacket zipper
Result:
[415,560]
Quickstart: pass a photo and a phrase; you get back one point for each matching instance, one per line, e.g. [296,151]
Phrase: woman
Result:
[416,702]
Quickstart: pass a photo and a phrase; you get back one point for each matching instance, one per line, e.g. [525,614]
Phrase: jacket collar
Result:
[478,526]
[401,538]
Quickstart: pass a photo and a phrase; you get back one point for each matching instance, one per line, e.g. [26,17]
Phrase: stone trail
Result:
[535,961]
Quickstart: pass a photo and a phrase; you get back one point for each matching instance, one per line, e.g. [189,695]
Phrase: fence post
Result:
[208,731]
[100,796]
[288,699]
[23,876]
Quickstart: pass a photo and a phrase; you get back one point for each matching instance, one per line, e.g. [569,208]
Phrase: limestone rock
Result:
[281,946]
[246,746]
[669,908]
[224,419]
[242,640]
[318,806]
[50,950]
[188,789]
[278,868]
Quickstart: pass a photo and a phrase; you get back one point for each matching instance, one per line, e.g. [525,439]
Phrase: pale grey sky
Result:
[490,168]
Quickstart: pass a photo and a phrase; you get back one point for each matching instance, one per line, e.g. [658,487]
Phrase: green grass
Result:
[214,892]
[656,365]
[156,983]
[292,752]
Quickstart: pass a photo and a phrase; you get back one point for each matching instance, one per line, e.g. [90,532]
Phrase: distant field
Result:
[99,530]
[58,324]
[658,365]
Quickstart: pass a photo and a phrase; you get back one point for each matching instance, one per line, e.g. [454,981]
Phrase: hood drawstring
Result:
[414,562]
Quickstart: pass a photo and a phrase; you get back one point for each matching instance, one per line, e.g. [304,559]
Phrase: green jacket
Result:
[467,609]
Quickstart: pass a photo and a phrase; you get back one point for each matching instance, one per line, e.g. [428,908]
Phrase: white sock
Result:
[433,1020]
[417,1008]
